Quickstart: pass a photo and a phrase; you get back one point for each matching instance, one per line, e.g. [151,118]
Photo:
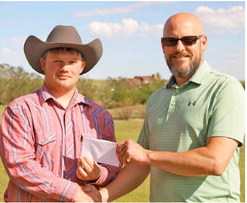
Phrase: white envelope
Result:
[101,151]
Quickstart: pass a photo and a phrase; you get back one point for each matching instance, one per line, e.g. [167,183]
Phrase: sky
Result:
[130,32]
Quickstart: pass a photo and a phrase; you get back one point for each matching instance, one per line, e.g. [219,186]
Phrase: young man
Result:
[193,128]
[42,132]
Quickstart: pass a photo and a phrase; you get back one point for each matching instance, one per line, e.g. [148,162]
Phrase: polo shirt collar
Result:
[77,98]
[199,76]
[171,82]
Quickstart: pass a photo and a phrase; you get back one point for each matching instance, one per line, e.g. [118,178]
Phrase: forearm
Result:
[107,174]
[127,180]
[42,183]
[190,163]
[209,160]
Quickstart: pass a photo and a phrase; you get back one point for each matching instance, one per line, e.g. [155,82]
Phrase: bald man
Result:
[193,128]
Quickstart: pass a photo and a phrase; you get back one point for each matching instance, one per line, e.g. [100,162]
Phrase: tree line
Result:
[110,93]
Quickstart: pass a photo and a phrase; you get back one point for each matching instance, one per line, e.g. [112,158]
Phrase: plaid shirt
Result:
[41,142]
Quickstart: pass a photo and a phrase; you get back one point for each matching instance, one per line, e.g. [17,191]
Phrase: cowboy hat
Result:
[62,36]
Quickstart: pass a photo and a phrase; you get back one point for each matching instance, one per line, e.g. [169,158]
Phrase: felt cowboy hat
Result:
[62,36]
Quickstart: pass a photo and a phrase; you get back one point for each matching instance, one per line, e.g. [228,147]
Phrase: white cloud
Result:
[14,40]
[127,27]
[114,10]
[6,52]
[223,20]
[205,10]
[17,41]
[13,56]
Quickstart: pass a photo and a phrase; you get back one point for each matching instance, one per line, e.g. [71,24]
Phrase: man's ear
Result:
[163,47]
[204,42]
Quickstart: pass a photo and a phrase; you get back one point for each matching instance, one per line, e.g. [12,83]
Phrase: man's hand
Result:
[87,169]
[91,194]
[129,150]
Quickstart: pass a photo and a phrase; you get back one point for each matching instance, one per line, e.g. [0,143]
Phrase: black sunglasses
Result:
[187,40]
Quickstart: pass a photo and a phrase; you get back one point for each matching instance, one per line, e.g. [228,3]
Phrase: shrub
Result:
[124,113]
[87,88]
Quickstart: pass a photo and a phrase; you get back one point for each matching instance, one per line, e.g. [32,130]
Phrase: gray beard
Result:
[184,73]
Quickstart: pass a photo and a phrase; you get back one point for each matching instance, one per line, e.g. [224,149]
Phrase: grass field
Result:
[124,130]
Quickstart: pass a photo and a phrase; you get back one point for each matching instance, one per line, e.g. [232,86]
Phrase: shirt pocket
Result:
[46,148]
[44,138]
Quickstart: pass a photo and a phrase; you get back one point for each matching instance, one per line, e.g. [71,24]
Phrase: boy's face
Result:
[62,69]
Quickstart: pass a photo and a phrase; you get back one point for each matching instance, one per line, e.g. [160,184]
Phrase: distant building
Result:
[139,80]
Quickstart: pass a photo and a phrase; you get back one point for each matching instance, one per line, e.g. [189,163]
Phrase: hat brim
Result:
[34,48]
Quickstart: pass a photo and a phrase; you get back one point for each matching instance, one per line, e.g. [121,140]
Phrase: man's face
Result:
[62,69]
[184,60]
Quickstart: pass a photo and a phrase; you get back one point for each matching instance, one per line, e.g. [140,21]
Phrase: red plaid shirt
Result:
[35,133]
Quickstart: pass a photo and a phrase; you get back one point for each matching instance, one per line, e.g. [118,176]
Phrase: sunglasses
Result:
[187,40]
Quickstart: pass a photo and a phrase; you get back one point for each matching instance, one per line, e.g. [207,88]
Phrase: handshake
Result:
[88,193]
[88,170]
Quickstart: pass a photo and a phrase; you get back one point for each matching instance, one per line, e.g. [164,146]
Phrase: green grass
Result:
[2,107]
[137,111]
[125,130]
[242,173]
[3,176]
[3,181]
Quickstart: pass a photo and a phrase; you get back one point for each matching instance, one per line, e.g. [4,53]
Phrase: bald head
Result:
[183,24]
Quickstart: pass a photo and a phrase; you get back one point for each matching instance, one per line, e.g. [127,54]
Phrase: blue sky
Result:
[130,32]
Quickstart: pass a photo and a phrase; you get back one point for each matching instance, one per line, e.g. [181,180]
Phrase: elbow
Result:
[217,169]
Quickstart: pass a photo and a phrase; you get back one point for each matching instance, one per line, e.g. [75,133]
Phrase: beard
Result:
[185,72]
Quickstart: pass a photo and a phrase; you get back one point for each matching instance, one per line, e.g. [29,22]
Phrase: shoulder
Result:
[26,101]
[226,83]
[23,107]
[223,78]
[96,109]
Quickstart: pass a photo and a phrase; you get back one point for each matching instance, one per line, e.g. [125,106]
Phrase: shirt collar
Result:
[76,99]
[199,76]
[171,82]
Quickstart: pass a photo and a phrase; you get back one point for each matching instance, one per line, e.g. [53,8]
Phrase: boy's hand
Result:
[87,169]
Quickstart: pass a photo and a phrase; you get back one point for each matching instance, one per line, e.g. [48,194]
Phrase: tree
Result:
[15,82]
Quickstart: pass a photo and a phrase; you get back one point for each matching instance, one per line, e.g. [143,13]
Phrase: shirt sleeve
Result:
[108,172]
[227,118]
[144,135]
[18,155]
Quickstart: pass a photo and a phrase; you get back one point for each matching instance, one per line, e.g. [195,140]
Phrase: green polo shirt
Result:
[181,118]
